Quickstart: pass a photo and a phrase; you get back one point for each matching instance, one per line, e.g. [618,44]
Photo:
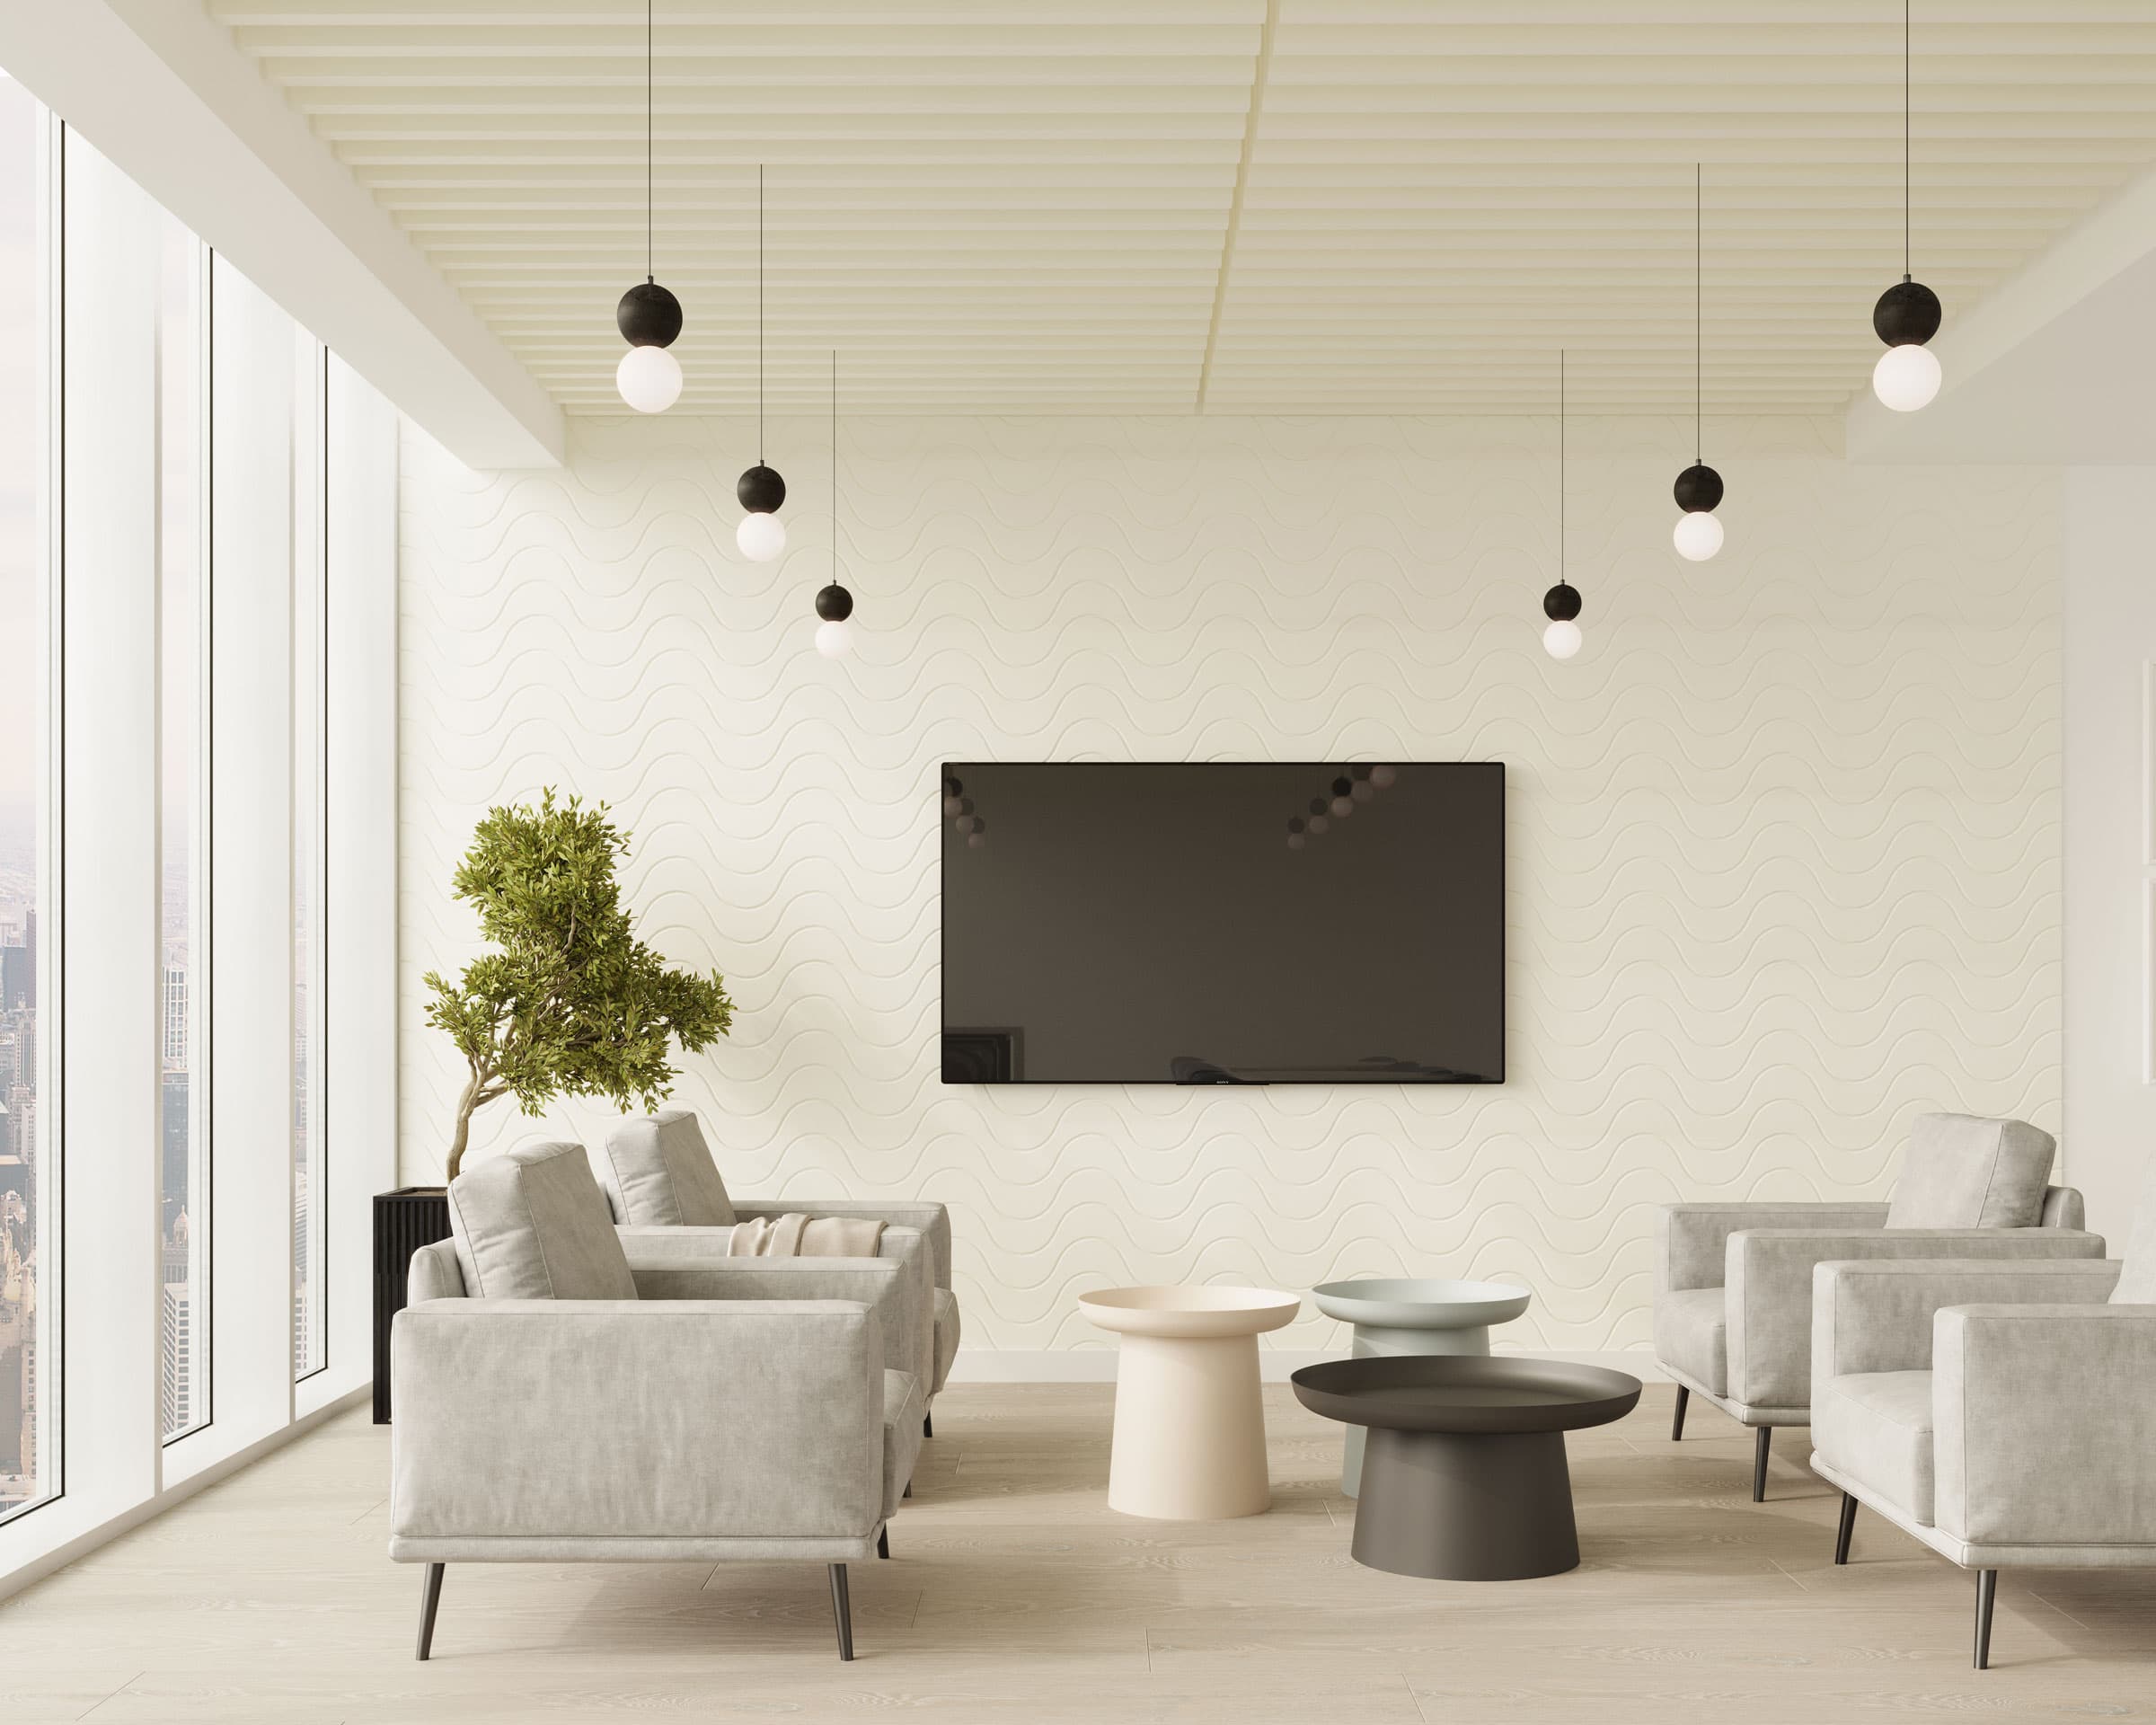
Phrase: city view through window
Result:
[25,1473]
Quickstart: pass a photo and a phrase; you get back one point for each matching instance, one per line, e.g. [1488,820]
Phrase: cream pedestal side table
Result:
[1189,1440]
[1396,1317]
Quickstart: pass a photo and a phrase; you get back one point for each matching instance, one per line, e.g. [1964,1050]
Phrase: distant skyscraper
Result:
[178,1391]
[175,1016]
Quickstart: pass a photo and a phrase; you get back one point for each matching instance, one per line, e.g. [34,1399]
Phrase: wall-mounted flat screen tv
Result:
[1223,922]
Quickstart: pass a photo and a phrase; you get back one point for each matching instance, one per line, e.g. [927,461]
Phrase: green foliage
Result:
[572,1003]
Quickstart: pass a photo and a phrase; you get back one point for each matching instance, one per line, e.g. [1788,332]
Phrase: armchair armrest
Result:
[2044,1424]
[1769,1274]
[689,1263]
[588,1419]
[1693,1237]
[1876,1316]
[931,1220]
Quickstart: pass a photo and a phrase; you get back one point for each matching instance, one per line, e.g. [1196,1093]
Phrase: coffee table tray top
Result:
[1412,1303]
[1192,1313]
[1466,1394]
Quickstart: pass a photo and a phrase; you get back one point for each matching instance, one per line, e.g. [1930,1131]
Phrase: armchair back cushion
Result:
[532,1225]
[2137,1282]
[664,1176]
[1962,1171]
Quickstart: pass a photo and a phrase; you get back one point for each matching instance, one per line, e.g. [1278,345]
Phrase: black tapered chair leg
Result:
[909,1488]
[841,1608]
[883,1542]
[1987,1589]
[1676,1422]
[928,1425]
[431,1599]
[1761,1441]
[1849,1526]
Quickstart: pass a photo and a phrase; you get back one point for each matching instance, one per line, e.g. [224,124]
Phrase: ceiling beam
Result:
[165,94]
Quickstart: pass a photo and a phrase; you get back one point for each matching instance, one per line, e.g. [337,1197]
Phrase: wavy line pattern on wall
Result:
[1783,841]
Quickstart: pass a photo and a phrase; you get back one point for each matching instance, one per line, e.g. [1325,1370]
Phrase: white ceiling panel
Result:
[1225,205]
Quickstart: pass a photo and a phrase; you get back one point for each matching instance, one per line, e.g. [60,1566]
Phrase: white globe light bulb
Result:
[1699,535]
[833,640]
[1319,824]
[649,379]
[1907,378]
[761,537]
[1561,640]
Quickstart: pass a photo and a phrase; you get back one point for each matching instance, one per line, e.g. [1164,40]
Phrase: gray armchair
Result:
[565,1394]
[2004,1414]
[662,1175]
[1732,1281]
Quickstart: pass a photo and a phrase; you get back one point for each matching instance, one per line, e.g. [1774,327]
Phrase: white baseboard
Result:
[1098,1364]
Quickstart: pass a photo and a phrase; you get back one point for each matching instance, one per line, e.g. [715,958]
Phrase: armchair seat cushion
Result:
[1876,1429]
[946,1336]
[904,1407]
[1691,1333]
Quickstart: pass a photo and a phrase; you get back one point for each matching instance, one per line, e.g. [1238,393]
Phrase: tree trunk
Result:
[464,1105]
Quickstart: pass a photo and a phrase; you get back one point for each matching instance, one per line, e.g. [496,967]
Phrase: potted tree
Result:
[569,1004]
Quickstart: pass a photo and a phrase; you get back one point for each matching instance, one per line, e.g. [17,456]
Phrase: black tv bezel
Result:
[946,768]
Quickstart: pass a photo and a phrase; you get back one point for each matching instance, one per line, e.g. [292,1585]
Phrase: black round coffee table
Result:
[1464,1475]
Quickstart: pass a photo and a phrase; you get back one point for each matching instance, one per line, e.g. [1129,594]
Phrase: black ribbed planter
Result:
[406,1219]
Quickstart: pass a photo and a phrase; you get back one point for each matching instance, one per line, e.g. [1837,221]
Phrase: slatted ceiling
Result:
[1012,206]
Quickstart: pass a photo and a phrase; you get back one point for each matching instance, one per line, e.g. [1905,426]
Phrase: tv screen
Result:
[1220,923]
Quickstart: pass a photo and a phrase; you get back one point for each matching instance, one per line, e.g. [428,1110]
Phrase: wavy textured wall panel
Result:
[1784,839]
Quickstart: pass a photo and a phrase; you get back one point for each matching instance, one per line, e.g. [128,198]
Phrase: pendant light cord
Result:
[1698,314]
[835,468]
[648,275]
[1905,139]
[760,319]
[1561,468]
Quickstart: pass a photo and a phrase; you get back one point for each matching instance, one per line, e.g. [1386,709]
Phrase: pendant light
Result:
[834,604]
[1908,313]
[762,536]
[649,317]
[1698,488]
[1560,604]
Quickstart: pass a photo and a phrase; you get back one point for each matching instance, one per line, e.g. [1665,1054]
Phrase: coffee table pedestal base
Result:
[1190,1440]
[1451,1507]
[1372,1341]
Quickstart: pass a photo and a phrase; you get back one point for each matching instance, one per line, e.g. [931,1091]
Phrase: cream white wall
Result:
[2110,639]
[1784,840]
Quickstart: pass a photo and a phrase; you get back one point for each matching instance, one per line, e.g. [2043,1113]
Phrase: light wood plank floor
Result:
[1015,1594]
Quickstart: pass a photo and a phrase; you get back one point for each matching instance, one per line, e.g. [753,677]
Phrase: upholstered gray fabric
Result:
[1878,1425]
[1691,1335]
[1876,1315]
[661,1420]
[663,1174]
[1769,1276]
[1692,1239]
[904,1405]
[2137,1284]
[946,1336]
[930,1220]
[530,1224]
[2047,1424]
[2063,1209]
[433,1274]
[1966,1171]
[692,1264]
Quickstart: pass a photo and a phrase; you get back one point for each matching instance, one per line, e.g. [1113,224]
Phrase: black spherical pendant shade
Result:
[835,604]
[1560,604]
[1698,487]
[1908,313]
[761,489]
[649,317]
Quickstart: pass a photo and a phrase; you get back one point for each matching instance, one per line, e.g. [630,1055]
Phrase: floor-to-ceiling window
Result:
[28,1147]
[196,576]
[310,744]
[182,526]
